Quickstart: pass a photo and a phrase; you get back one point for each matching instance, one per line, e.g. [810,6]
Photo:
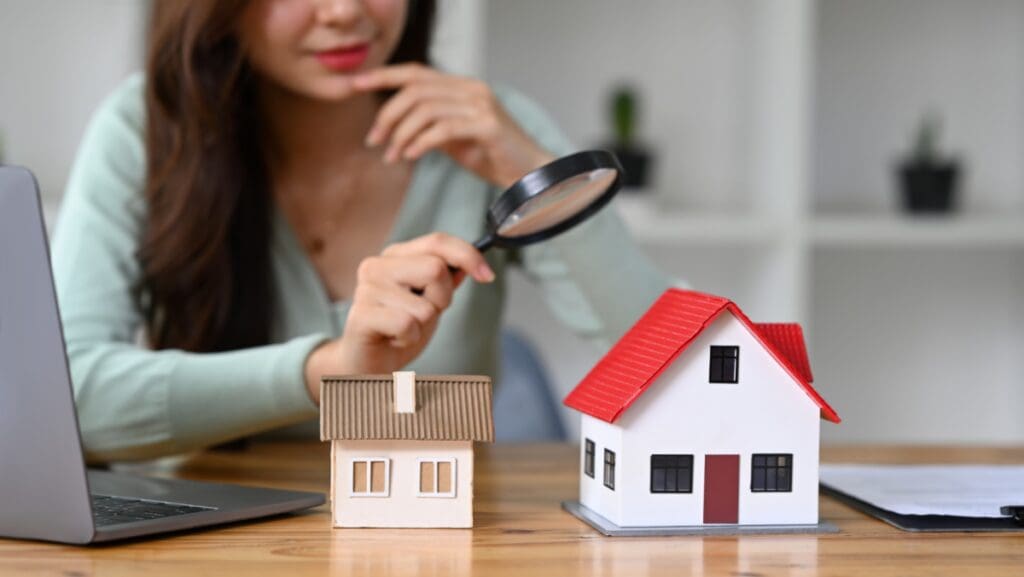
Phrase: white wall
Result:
[882,63]
[686,58]
[59,58]
[921,346]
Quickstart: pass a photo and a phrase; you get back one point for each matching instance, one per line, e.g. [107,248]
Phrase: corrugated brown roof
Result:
[448,408]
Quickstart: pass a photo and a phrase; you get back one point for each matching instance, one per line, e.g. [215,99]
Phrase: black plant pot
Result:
[929,187]
[636,164]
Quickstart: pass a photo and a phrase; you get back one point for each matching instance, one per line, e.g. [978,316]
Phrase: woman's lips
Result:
[344,59]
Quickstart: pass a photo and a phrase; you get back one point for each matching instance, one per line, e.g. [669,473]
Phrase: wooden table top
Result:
[520,530]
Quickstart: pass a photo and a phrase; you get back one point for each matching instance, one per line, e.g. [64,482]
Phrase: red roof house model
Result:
[662,334]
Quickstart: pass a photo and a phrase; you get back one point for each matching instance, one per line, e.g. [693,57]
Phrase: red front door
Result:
[721,488]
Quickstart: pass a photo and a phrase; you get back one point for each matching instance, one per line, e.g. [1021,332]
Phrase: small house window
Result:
[609,469]
[725,365]
[370,477]
[772,473]
[437,477]
[588,458]
[671,473]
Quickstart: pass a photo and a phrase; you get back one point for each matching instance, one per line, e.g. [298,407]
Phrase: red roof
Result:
[788,339]
[661,335]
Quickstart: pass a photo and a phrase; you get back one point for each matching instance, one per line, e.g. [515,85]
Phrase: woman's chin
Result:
[333,89]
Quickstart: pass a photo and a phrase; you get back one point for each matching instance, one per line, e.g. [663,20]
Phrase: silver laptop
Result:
[45,490]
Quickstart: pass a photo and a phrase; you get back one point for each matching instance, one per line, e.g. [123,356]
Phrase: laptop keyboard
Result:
[107,510]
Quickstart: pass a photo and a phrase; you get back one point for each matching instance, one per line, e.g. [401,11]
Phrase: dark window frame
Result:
[723,358]
[609,469]
[588,457]
[675,467]
[771,473]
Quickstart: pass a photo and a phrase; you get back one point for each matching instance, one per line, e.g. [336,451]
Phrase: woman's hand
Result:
[389,324]
[460,116]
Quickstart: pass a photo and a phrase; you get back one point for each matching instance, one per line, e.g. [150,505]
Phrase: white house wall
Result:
[593,493]
[402,507]
[682,413]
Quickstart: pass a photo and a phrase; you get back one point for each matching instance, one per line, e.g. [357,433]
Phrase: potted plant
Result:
[635,159]
[928,179]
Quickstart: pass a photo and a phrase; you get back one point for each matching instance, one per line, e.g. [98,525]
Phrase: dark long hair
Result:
[204,252]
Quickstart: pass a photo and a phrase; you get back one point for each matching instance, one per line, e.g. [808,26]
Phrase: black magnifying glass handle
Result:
[484,243]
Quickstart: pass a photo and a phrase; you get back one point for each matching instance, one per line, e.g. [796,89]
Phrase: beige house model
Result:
[402,447]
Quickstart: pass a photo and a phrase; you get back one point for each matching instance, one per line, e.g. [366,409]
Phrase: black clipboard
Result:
[1012,523]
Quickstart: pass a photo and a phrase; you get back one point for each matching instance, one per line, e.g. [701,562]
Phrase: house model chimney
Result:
[405,391]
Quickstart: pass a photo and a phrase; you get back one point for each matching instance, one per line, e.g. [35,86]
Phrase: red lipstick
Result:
[344,59]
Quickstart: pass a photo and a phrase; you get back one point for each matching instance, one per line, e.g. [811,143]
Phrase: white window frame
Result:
[369,476]
[435,461]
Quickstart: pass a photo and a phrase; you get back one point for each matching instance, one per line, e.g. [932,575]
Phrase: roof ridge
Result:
[419,377]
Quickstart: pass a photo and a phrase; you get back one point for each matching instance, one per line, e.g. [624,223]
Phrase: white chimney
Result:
[405,391]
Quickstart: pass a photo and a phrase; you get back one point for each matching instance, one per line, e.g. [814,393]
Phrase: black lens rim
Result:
[543,178]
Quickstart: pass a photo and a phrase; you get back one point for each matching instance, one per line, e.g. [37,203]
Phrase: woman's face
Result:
[314,47]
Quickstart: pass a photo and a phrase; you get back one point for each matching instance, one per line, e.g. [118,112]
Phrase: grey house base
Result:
[610,529]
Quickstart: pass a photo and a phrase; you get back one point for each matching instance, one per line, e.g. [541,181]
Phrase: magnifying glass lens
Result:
[558,203]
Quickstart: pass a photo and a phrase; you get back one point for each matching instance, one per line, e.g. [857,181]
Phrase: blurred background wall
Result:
[58,59]
[775,129]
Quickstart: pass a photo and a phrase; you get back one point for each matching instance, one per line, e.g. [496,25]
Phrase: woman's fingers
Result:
[396,325]
[440,134]
[473,128]
[454,251]
[426,97]
[423,309]
[420,119]
[399,105]
[429,275]
[414,81]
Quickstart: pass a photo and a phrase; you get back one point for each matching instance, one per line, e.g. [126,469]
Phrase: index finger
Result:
[454,251]
[394,76]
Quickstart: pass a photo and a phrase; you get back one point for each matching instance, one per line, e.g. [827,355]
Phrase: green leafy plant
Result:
[624,113]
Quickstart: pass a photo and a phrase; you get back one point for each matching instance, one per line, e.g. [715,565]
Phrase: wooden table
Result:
[520,531]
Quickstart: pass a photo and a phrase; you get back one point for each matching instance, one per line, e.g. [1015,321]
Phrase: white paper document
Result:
[956,490]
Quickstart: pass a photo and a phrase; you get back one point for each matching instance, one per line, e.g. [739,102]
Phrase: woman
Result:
[255,212]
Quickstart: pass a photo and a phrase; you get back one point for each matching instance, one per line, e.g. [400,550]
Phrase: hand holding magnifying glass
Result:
[551,200]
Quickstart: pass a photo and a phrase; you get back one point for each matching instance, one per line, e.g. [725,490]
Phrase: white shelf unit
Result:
[758,110]
[675,227]
[654,227]
[900,232]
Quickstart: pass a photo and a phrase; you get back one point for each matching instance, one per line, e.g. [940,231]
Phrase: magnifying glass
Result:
[552,199]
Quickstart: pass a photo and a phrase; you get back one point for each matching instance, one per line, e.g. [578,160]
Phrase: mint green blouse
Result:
[136,403]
